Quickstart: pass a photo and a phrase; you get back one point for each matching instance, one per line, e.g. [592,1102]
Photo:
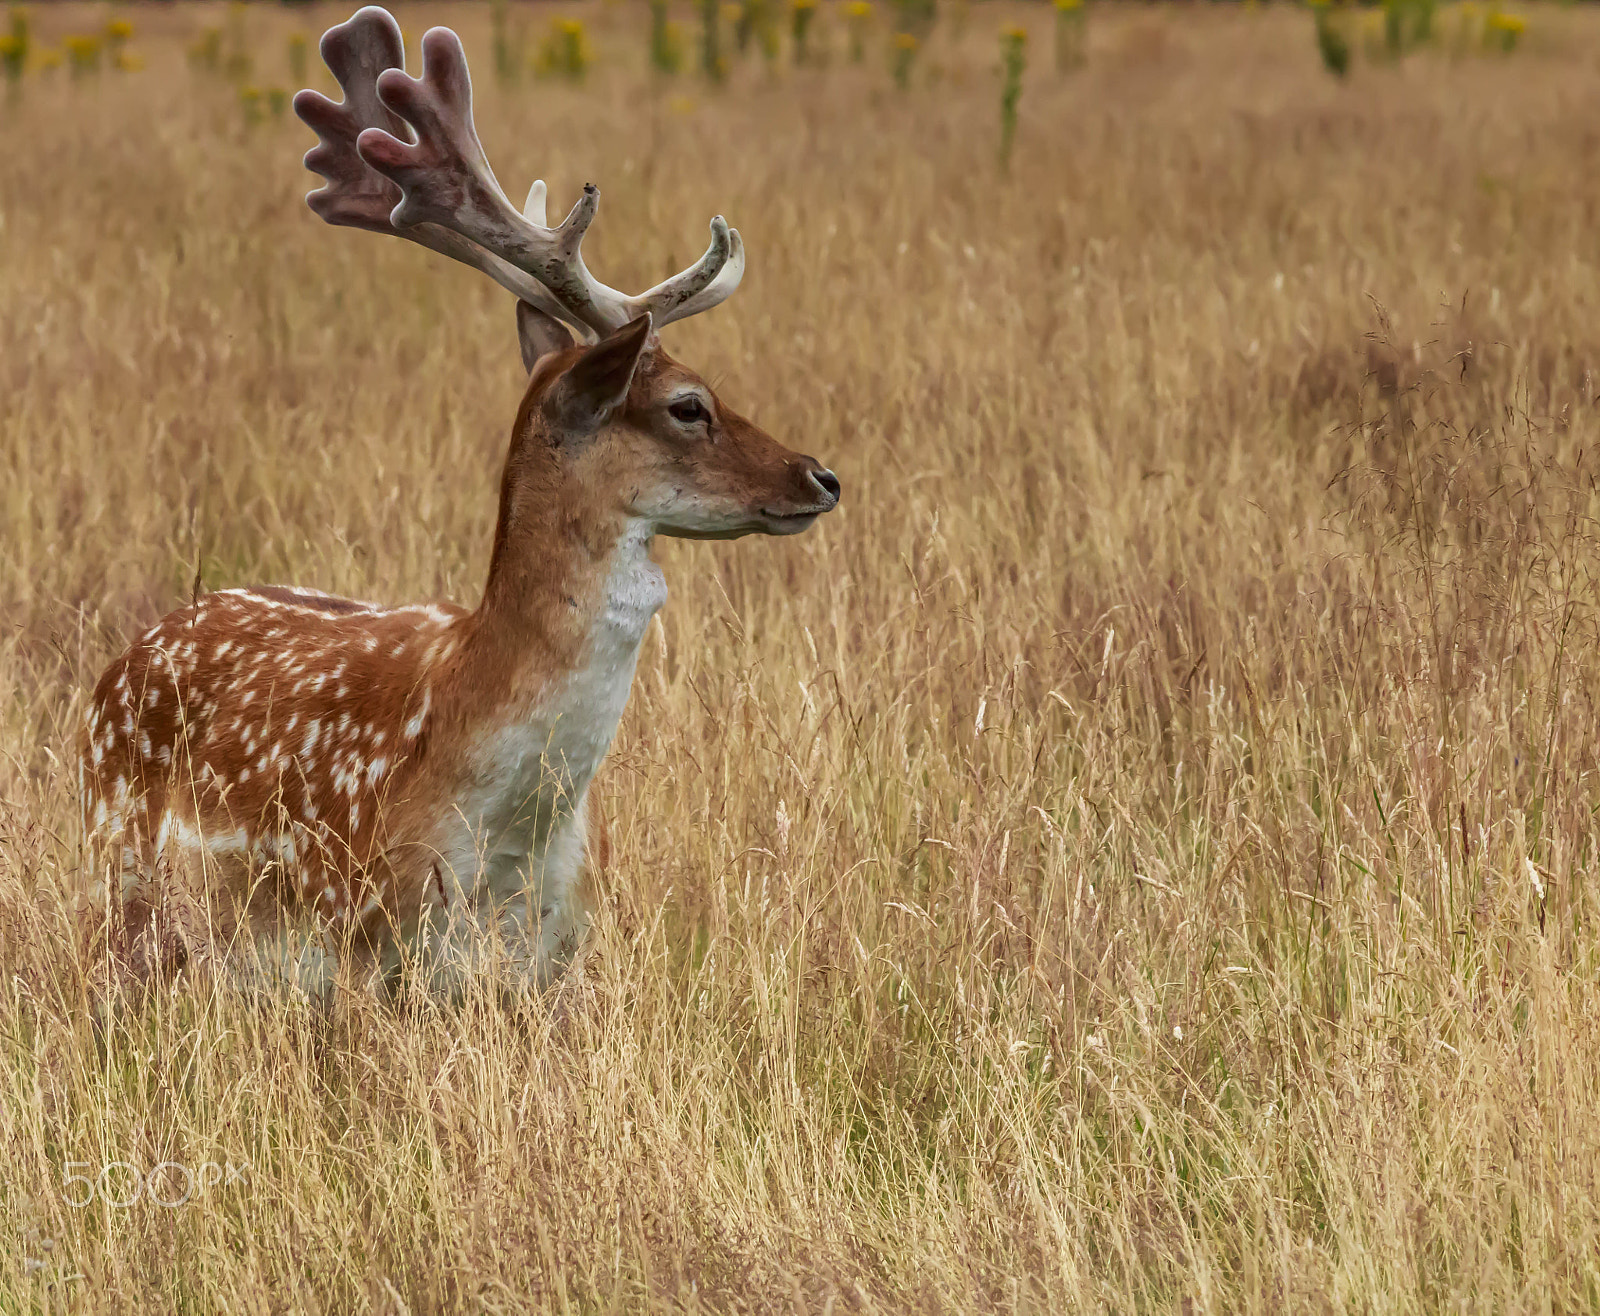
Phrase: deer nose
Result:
[827,484]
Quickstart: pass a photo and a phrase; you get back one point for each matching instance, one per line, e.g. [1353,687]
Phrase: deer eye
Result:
[690,411]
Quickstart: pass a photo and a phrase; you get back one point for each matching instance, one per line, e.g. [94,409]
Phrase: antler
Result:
[439,190]
[357,51]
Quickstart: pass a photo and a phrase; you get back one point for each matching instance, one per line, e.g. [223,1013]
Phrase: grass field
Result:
[1138,855]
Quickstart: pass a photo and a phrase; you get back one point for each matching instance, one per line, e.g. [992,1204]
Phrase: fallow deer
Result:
[290,780]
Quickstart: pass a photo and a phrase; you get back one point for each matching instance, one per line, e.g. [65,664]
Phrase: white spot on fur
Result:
[234,842]
[413,728]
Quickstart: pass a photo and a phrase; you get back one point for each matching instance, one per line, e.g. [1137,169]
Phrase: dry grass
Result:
[1095,870]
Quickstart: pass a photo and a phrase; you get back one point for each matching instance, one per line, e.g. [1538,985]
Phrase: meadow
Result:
[1138,855]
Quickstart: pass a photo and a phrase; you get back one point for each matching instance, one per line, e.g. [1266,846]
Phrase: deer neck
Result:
[571,591]
[538,686]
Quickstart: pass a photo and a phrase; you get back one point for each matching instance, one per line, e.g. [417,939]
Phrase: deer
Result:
[287,785]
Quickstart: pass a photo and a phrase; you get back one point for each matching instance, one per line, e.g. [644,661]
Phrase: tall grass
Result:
[1135,856]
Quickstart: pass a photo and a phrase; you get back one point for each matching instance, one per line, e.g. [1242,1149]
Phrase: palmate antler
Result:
[401,156]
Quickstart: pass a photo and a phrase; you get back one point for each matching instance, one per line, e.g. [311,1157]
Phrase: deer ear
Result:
[539,334]
[595,387]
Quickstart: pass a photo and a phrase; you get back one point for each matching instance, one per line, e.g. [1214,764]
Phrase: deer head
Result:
[626,417]
[632,428]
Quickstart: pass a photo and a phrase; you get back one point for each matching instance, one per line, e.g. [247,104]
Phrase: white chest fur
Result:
[527,781]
